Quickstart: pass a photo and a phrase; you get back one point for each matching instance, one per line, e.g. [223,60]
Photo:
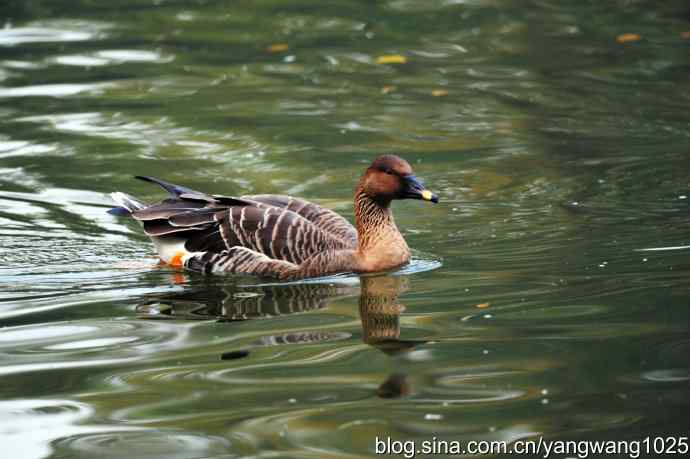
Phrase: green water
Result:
[561,158]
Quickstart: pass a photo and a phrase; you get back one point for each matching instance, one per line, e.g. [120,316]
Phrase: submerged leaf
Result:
[391,59]
[388,88]
[627,37]
[278,48]
[439,92]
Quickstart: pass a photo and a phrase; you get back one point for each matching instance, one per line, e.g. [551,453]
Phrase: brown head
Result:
[390,177]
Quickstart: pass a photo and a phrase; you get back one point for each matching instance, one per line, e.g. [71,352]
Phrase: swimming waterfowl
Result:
[280,236]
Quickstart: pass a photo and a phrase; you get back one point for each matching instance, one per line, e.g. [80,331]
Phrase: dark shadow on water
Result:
[379,311]
[229,302]
[379,308]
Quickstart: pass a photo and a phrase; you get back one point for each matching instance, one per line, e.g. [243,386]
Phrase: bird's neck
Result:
[376,229]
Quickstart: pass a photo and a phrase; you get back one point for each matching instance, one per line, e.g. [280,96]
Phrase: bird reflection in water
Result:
[379,311]
[229,302]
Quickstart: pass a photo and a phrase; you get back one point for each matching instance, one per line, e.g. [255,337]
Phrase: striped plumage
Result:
[280,236]
[228,302]
[379,311]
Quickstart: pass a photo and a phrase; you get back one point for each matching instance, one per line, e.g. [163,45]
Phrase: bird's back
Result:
[277,226]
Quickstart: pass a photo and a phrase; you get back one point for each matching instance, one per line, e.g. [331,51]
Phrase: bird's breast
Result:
[385,255]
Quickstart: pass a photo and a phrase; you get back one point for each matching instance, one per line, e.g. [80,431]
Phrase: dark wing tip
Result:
[175,190]
[119,212]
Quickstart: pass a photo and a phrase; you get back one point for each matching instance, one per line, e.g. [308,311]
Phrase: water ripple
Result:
[148,443]
[82,345]
[30,427]
[54,90]
[51,32]
[558,152]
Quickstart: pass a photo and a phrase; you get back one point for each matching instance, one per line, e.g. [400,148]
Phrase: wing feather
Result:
[166,209]
[277,233]
[282,228]
[324,218]
[161,227]
[208,240]
[195,217]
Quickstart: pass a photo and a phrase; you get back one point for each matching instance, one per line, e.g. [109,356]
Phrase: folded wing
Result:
[280,227]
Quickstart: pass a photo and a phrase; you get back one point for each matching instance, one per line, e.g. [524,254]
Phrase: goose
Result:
[277,236]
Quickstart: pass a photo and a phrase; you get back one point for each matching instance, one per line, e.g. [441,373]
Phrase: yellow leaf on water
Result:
[391,59]
[388,88]
[483,305]
[685,35]
[439,92]
[627,37]
[278,48]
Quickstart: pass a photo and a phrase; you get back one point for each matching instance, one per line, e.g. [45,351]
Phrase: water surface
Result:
[559,152]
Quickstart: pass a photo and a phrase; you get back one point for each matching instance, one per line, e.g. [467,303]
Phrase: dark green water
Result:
[560,156]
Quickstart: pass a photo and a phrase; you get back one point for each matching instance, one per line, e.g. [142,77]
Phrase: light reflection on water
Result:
[548,290]
[51,32]
[30,426]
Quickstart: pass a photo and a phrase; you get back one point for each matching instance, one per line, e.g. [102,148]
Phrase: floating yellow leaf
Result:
[685,34]
[627,37]
[391,59]
[278,48]
[439,92]
[388,88]
[483,305]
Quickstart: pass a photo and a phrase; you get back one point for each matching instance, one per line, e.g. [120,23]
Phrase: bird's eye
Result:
[389,172]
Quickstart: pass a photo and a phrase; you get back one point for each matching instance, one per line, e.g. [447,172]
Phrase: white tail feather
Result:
[126,201]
